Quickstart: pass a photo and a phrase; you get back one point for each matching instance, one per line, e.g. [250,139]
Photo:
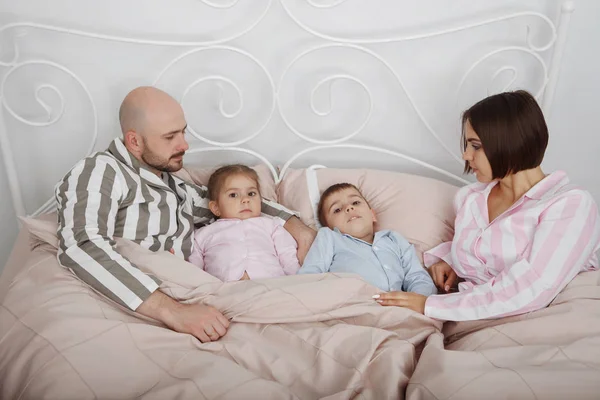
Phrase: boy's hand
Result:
[412,301]
[443,276]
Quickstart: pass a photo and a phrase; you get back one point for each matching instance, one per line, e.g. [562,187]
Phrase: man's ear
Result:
[374,215]
[214,208]
[133,142]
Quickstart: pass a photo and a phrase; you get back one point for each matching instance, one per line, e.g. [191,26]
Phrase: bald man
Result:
[128,191]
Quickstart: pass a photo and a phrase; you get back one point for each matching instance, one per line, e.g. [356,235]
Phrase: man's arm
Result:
[88,201]
[302,234]
[204,322]
[203,215]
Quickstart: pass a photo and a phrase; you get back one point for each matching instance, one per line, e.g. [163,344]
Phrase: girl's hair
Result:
[218,178]
[512,129]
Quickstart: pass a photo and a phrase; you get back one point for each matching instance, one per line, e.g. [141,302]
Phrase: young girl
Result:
[242,244]
[520,235]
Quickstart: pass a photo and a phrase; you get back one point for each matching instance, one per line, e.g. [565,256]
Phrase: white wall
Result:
[575,120]
[430,70]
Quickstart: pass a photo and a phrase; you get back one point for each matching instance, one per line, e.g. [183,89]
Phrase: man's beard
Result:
[154,161]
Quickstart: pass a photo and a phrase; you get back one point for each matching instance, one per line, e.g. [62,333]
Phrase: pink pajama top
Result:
[520,261]
[259,246]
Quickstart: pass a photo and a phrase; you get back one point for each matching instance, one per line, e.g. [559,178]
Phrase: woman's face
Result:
[476,157]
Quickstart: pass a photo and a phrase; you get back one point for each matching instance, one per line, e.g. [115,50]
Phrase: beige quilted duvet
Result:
[299,337]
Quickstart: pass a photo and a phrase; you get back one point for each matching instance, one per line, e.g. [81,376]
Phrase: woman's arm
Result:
[441,252]
[566,237]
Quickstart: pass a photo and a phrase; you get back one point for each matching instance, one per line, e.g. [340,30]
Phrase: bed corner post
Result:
[9,167]
[566,10]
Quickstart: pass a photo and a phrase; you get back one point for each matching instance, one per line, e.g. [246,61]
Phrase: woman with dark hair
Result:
[520,235]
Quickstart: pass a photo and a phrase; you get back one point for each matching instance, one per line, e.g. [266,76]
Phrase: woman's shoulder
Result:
[467,191]
[556,187]
[572,196]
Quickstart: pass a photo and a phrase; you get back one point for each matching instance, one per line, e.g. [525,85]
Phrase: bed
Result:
[306,116]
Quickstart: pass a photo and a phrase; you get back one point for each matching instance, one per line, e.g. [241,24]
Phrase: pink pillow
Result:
[200,176]
[419,208]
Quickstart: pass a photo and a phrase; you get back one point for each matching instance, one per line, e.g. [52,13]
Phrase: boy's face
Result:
[348,211]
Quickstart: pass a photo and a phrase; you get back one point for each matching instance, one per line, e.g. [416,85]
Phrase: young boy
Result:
[349,244]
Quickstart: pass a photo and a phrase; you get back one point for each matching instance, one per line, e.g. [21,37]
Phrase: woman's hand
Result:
[443,276]
[413,301]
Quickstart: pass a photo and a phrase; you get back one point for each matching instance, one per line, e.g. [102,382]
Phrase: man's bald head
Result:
[153,126]
[141,105]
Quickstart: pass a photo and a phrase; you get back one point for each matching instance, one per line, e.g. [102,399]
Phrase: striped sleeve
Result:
[566,238]
[88,200]
[441,252]
[276,210]
[200,211]
[203,215]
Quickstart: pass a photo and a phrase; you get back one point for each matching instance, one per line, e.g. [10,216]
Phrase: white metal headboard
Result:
[548,62]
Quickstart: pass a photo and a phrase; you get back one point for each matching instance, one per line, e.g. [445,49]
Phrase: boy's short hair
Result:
[512,129]
[218,178]
[338,187]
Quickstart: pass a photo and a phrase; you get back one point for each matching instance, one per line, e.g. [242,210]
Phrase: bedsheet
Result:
[553,353]
[299,337]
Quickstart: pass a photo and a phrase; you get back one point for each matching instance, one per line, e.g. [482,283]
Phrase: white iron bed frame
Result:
[545,94]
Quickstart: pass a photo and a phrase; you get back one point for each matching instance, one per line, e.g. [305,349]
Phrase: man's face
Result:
[164,143]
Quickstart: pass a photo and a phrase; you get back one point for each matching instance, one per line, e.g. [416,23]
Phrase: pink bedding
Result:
[304,337]
[553,353]
[299,337]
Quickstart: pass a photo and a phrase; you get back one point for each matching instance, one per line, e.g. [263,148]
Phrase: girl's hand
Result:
[443,276]
[413,301]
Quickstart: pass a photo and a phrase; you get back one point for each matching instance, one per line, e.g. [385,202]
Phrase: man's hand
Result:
[413,301]
[204,322]
[443,276]
[303,235]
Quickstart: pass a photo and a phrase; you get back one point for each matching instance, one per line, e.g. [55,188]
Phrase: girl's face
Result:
[238,198]
[475,156]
